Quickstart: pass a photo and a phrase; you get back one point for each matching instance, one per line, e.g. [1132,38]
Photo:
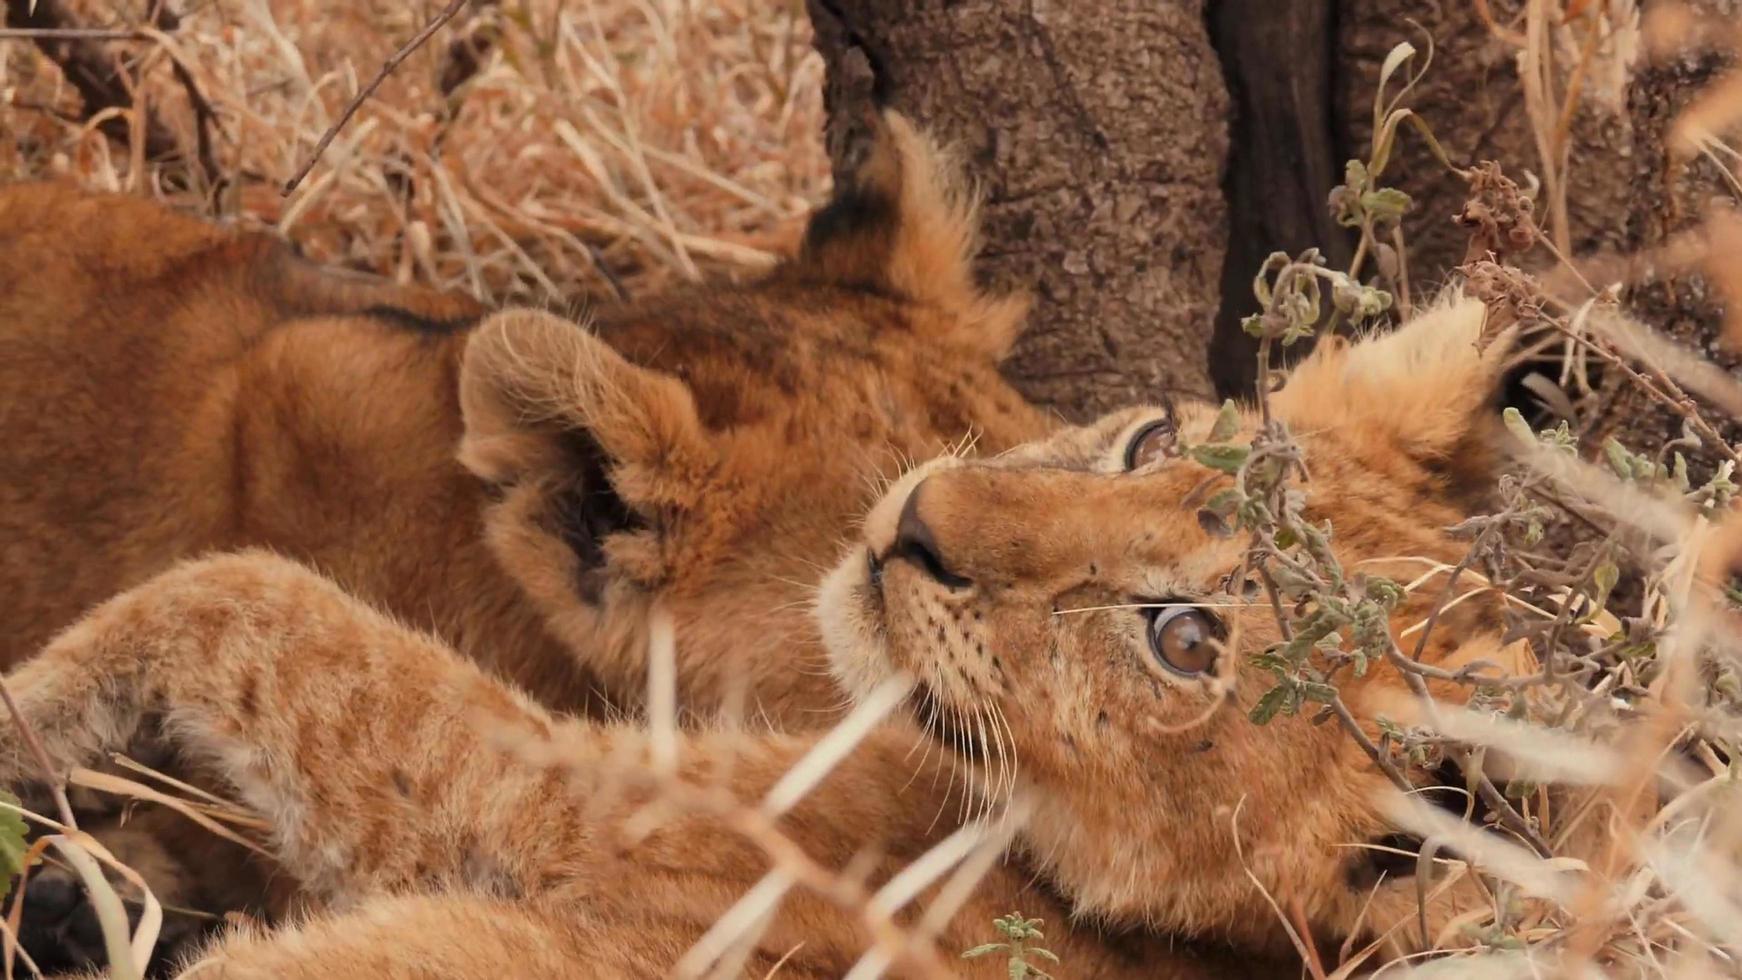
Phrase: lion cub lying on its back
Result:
[1060,612]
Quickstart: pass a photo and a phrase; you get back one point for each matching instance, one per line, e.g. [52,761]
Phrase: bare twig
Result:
[393,61]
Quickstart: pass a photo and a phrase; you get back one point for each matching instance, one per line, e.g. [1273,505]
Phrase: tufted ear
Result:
[904,222]
[1428,389]
[542,396]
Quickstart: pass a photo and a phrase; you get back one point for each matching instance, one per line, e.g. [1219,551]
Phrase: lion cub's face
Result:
[1065,615]
[707,452]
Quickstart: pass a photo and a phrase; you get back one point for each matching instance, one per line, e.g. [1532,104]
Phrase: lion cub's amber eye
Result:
[1184,639]
[1152,443]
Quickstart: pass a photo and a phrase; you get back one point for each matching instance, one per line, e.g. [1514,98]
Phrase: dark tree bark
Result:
[1669,198]
[1097,130]
[1473,99]
[1625,195]
[1283,160]
[1140,158]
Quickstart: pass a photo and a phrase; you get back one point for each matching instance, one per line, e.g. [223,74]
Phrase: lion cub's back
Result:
[125,332]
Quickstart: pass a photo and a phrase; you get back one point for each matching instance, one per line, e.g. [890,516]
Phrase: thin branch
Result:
[387,67]
[69,34]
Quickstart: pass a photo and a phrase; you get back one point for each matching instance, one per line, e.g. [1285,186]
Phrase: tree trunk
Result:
[1283,160]
[1140,158]
[1624,195]
[1097,131]
[1669,199]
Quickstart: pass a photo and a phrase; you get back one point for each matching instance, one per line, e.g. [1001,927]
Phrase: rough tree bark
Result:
[1283,158]
[1625,195]
[1141,157]
[1668,199]
[1097,131]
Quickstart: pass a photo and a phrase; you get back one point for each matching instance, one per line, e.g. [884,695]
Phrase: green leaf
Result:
[1274,263]
[1225,502]
[12,842]
[1384,591]
[1268,705]
[1605,576]
[1394,59]
[1355,175]
[985,950]
[1271,662]
[1386,204]
[1516,425]
[1226,458]
[1533,532]
[1045,954]
[1618,458]
[1227,422]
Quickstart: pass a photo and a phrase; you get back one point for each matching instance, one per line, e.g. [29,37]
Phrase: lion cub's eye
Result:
[1152,443]
[1184,639]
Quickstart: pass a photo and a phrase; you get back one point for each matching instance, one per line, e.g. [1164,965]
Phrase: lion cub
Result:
[1066,628]
[520,485]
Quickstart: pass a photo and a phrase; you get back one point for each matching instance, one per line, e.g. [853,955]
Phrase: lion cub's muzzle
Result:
[916,544]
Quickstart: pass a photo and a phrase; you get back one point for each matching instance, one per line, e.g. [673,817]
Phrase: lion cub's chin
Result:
[847,610]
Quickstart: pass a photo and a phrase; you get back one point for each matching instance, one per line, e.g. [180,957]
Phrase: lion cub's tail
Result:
[904,222]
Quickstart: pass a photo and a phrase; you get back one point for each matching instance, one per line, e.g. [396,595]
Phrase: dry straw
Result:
[533,151]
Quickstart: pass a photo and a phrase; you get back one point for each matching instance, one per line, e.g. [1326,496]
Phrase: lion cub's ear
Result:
[543,397]
[1427,390]
[904,222]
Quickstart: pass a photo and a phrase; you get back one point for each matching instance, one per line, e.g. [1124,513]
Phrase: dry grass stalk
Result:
[642,142]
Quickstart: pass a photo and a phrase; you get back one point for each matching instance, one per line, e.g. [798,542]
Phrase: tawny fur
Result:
[1156,802]
[422,800]
[169,387]
[451,828]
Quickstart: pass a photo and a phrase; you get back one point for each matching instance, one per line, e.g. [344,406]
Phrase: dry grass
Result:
[645,140]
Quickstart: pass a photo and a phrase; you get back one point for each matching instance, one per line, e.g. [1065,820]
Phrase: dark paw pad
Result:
[61,932]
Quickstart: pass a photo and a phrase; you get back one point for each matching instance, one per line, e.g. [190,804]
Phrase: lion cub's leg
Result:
[454,937]
[362,743]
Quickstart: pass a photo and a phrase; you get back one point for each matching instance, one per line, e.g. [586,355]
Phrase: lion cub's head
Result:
[708,450]
[1064,610]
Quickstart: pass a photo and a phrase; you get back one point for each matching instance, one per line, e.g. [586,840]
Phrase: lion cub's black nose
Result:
[915,542]
[50,897]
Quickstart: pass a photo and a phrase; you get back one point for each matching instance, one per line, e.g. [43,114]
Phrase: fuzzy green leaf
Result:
[1268,705]
[985,950]
[1224,503]
[1227,422]
[1226,458]
[1618,458]
[1387,204]
[12,842]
